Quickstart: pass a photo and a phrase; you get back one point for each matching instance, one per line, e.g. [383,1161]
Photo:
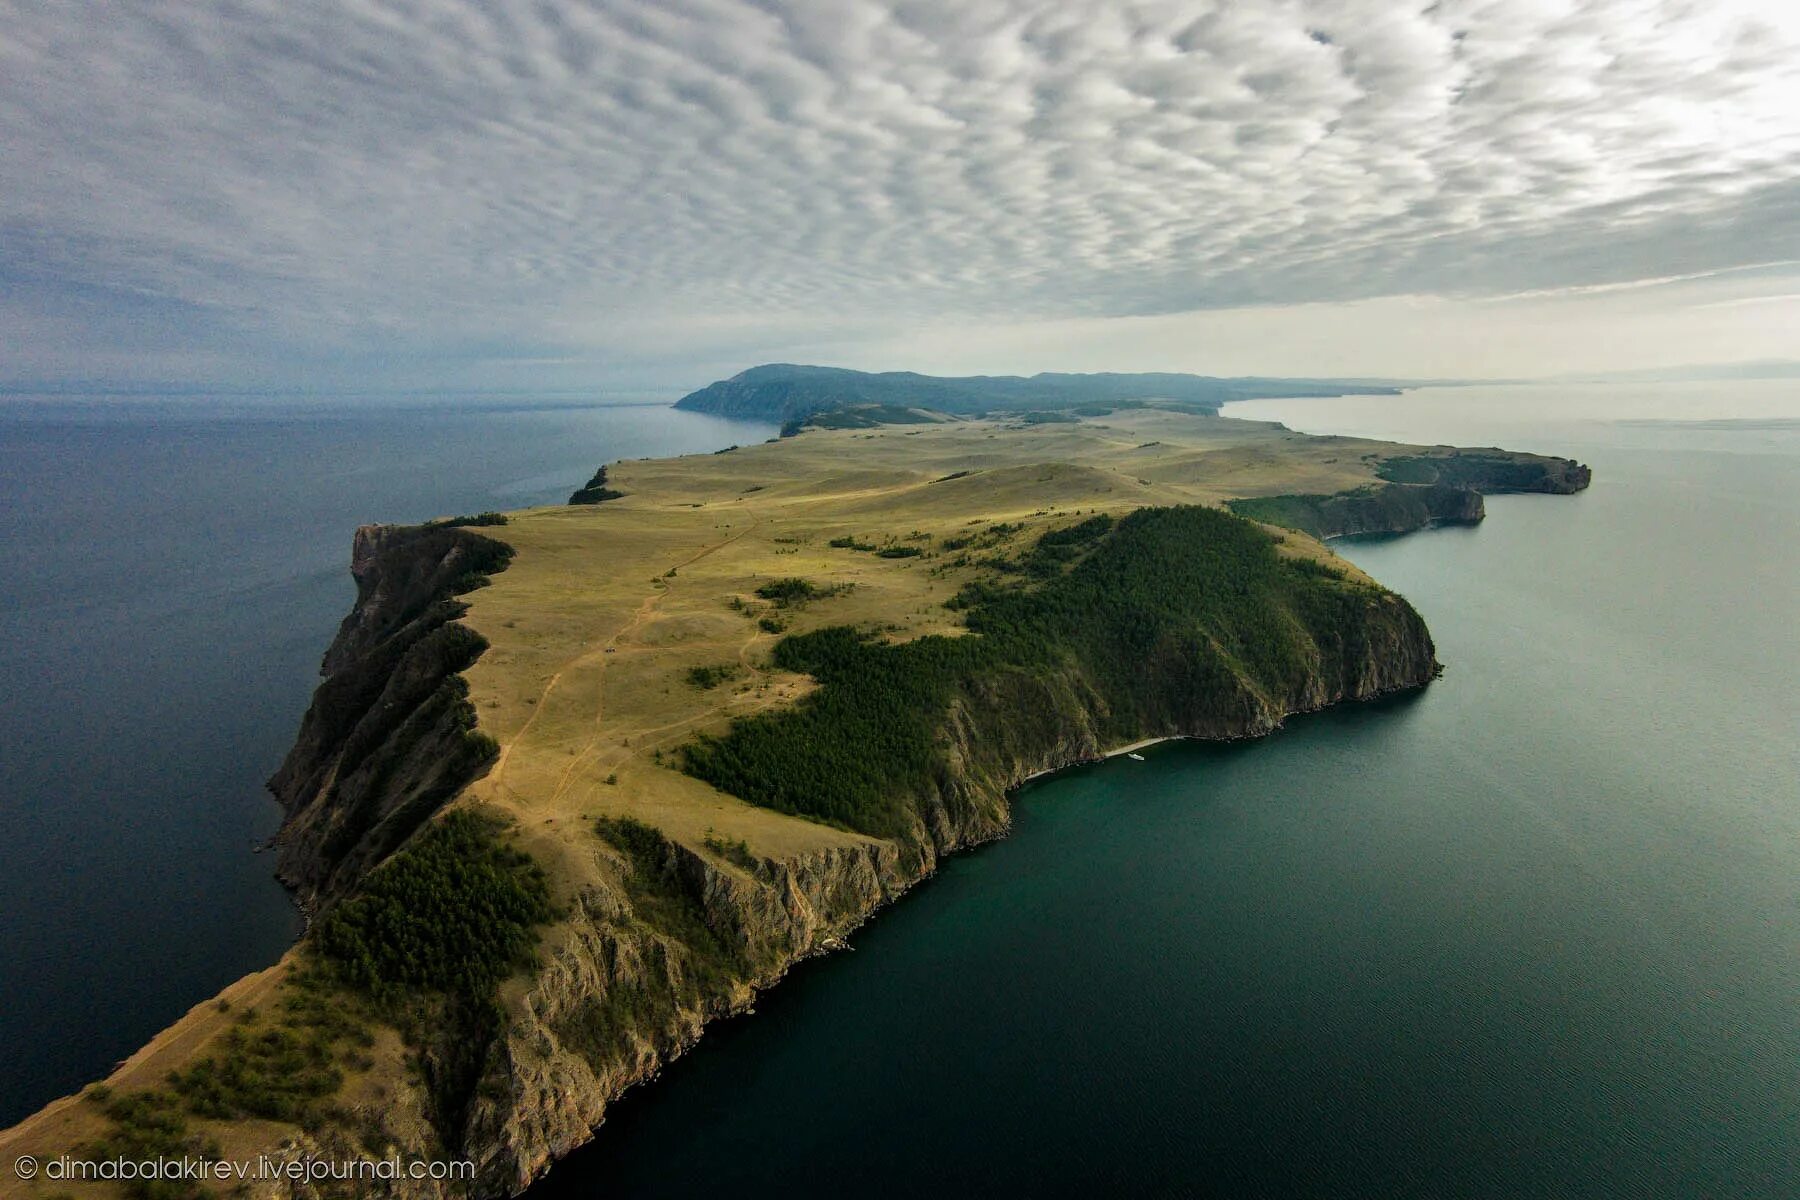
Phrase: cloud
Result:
[547,177]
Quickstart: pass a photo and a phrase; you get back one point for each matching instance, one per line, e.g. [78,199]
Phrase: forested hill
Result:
[783,392]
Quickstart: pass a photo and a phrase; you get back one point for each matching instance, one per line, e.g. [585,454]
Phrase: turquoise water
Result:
[174,571]
[1532,932]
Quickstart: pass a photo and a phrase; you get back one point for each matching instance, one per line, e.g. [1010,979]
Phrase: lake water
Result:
[174,570]
[1533,932]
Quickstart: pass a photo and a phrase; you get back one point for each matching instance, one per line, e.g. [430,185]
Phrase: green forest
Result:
[1171,616]
[453,913]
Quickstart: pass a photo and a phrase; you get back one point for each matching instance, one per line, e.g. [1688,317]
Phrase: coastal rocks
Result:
[618,997]
[1377,508]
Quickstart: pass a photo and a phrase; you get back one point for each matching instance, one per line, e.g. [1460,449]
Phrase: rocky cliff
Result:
[1420,491]
[388,737]
[1492,471]
[1377,508]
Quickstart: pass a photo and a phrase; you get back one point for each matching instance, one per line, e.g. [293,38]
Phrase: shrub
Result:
[713,676]
[149,1125]
[595,491]
[786,592]
[794,592]
[733,850]
[483,518]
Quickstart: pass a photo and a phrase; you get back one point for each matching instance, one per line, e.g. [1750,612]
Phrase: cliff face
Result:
[1492,471]
[1420,491]
[621,996]
[386,740]
[1378,508]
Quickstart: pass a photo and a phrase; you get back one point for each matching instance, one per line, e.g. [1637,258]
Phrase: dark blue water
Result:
[173,571]
[1533,932]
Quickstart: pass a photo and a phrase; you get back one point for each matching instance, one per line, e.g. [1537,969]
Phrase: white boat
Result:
[1134,756]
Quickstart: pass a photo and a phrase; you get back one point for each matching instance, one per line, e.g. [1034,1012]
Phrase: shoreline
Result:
[1104,755]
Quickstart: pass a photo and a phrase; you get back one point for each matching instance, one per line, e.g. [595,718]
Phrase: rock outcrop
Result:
[1491,471]
[388,738]
[1421,491]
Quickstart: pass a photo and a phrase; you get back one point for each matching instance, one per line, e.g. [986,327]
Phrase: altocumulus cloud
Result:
[560,174]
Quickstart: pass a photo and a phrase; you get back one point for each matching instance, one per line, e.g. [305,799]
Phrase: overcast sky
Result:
[563,193]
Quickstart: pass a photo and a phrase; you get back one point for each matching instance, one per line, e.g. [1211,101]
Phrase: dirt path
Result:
[643,613]
[597,657]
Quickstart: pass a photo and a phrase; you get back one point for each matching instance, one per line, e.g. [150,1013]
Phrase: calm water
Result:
[173,572]
[1535,932]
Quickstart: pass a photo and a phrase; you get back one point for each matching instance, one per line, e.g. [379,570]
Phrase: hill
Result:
[786,392]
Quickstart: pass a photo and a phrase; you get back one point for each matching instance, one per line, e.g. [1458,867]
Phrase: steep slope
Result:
[389,735]
[1439,488]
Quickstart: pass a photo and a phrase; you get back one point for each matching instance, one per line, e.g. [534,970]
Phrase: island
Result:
[580,780]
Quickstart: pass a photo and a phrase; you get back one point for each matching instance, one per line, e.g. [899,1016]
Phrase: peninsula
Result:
[580,780]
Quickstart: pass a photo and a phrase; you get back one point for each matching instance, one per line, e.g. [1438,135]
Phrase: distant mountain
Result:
[784,392]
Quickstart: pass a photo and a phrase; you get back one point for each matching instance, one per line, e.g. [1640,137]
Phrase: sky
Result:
[621,194]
